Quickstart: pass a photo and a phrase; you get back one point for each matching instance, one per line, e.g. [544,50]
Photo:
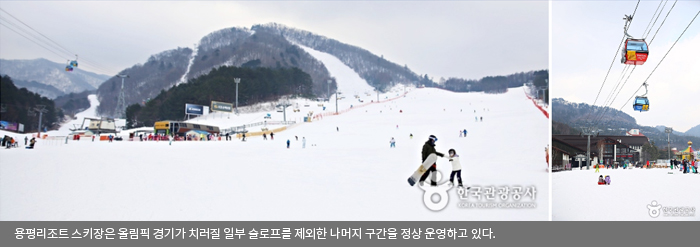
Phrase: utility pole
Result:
[588,132]
[668,131]
[237,81]
[41,109]
[336,102]
[120,111]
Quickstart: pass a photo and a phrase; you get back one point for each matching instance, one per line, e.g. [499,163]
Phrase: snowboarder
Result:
[476,119]
[337,129]
[392,143]
[601,181]
[264,136]
[482,119]
[31,143]
[303,142]
[456,167]
[244,137]
[429,154]
[465,133]
[272,136]
[597,168]
[411,136]
[288,142]
[296,137]
[25,140]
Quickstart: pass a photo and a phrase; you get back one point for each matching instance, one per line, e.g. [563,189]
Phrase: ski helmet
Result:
[433,138]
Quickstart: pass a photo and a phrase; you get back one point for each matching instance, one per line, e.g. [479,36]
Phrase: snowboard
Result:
[429,161]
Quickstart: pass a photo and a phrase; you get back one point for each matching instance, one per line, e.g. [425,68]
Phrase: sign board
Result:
[221,106]
[8,125]
[580,157]
[194,109]
[21,128]
[206,110]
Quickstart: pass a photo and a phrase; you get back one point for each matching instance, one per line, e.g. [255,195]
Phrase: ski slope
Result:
[90,112]
[349,82]
[350,174]
[576,196]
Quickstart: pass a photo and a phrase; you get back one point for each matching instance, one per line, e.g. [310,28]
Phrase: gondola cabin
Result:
[641,104]
[635,52]
[180,128]
[69,68]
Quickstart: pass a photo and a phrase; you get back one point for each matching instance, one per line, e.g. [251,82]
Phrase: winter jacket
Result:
[429,148]
[455,163]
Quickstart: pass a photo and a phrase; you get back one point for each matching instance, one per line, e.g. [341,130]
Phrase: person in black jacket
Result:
[428,149]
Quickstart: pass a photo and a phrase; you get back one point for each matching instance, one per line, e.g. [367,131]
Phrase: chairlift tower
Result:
[588,132]
[120,111]
[41,109]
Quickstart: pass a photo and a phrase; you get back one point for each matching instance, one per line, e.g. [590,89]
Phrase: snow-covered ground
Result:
[577,196]
[350,174]
[349,82]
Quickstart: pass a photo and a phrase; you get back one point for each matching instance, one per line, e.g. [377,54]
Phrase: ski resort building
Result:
[605,149]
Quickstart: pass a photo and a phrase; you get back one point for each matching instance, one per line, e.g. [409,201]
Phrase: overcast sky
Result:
[469,39]
[585,36]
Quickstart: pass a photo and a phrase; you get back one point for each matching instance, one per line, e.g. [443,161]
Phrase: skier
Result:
[272,136]
[264,136]
[429,154]
[170,139]
[25,140]
[460,133]
[482,119]
[288,143]
[392,143]
[465,133]
[337,129]
[597,168]
[244,137]
[476,119]
[93,138]
[296,137]
[456,167]
[303,142]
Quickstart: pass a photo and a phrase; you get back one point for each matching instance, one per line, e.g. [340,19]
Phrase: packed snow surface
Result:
[577,196]
[345,172]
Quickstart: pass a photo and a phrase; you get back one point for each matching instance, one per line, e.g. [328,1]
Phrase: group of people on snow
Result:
[685,165]
[10,142]
[428,152]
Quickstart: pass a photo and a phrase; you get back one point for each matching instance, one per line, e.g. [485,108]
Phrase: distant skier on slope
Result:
[288,142]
